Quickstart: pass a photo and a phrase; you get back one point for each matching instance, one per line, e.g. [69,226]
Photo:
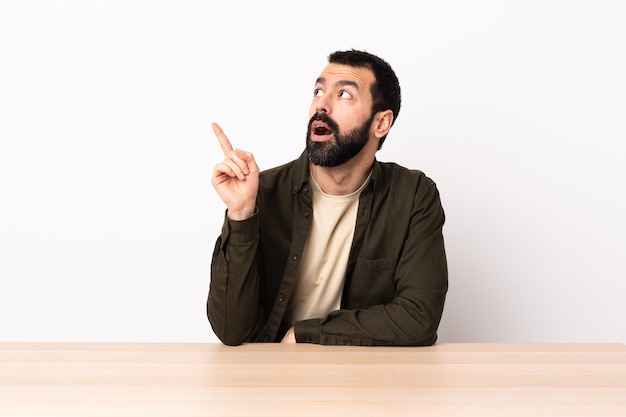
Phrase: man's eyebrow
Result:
[349,83]
[322,80]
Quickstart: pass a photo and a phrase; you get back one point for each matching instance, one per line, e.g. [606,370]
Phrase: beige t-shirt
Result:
[319,282]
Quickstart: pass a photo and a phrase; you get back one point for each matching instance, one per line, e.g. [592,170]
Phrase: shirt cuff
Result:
[308,331]
[241,232]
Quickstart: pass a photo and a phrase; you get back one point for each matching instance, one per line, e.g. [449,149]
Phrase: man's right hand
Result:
[236,178]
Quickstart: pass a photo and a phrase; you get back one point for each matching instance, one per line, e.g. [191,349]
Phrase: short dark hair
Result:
[386,88]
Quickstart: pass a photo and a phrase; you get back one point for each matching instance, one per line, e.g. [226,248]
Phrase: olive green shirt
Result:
[396,278]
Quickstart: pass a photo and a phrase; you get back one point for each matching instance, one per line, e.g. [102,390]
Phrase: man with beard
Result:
[334,247]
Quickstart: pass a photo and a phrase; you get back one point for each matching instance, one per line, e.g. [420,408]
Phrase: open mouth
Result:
[320,129]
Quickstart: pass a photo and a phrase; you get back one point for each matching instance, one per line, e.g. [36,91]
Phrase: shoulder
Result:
[278,170]
[394,176]
[293,173]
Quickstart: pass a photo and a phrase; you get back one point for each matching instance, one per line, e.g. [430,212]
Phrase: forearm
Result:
[400,323]
[233,306]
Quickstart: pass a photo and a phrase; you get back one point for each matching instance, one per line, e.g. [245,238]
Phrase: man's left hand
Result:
[290,336]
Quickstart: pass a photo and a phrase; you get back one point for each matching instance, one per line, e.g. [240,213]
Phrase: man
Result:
[334,247]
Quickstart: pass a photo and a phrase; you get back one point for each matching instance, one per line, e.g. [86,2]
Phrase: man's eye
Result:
[345,94]
[317,92]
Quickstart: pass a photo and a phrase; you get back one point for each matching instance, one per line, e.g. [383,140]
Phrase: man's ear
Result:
[382,123]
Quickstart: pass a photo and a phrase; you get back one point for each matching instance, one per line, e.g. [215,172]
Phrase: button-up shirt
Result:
[396,276]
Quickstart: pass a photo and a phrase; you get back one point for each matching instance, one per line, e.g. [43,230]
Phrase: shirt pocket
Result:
[372,283]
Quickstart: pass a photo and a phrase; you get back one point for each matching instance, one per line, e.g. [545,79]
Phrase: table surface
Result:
[198,379]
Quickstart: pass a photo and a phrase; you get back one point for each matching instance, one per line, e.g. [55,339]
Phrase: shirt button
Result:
[294,257]
[349,343]
[305,214]
[281,297]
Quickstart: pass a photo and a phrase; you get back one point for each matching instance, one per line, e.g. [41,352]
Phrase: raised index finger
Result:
[224,142]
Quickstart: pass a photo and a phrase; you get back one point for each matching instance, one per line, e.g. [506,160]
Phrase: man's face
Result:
[341,115]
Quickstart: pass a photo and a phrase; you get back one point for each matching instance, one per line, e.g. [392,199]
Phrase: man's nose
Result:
[322,105]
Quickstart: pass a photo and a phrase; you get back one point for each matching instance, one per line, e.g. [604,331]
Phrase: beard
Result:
[344,147]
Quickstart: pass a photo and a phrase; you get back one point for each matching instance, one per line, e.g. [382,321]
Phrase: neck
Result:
[343,179]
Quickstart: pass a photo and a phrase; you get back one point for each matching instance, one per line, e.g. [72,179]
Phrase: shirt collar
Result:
[302,171]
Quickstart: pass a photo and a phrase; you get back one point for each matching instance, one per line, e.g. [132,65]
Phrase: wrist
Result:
[243,214]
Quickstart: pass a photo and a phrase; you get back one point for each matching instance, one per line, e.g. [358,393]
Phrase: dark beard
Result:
[342,149]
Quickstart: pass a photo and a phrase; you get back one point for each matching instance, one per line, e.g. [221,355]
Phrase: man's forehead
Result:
[336,73]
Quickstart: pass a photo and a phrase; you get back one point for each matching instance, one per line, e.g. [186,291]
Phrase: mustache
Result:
[323,117]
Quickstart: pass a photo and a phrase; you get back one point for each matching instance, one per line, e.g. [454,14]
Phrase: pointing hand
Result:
[236,178]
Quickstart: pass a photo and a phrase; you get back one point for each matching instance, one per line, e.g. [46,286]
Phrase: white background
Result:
[516,109]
